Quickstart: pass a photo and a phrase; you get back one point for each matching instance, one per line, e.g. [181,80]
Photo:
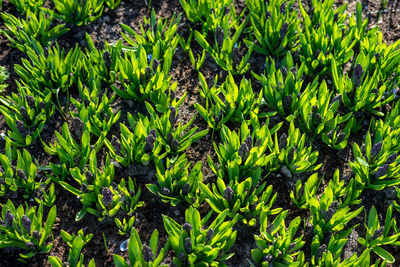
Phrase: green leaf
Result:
[385,255]
[119,261]
[51,218]
[75,251]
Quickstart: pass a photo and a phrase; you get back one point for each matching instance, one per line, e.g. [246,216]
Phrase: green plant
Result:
[376,54]
[25,114]
[104,63]
[142,255]
[23,6]
[99,194]
[330,213]
[175,139]
[176,183]
[377,236]
[319,114]
[141,145]
[78,12]
[240,155]
[70,238]
[3,77]
[346,194]
[246,199]
[36,26]
[363,91]
[329,253]
[282,86]
[376,164]
[200,10]
[49,198]
[324,37]
[24,228]
[226,50]
[94,109]
[113,4]
[49,71]
[275,26]
[153,33]
[277,244]
[291,150]
[228,102]
[75,257]
[187,49]
[125,225]
[22,176]
[196,245]
[73,149]
[142,79]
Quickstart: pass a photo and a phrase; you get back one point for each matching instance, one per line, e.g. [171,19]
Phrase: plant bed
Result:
[245,133]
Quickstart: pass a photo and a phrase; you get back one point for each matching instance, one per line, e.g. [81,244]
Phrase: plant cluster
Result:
[326,78]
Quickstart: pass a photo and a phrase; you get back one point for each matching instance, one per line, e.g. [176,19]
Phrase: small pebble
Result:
[286,172]
[124,245]
[130,103]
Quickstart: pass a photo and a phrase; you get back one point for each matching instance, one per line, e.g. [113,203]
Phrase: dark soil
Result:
[148,217]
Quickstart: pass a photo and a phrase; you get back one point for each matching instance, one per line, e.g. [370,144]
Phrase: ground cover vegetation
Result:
[325,81]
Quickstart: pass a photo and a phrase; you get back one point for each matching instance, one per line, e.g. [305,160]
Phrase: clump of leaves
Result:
[143,78]
[78,12]
[376,163]
[330,213]
[319,114]
[26,114]
[174,138]
[36,26]
[276,243]
[23,6]
[48,70]
[378,236]
[325,36]
[246,199]
[196,245]
[99,193]
[240,154]
[141,254]
[141,145]
[282,85]
[200,10]
[361,90]
[22,176]
[94,109]
[240,186]
[23,227]
[292,151]
[275,26]
[228,102]
[75,257]
[102,64]
[153,33]
[3,77]
[72,148]
[346,194]
[225,49]
[176,183]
